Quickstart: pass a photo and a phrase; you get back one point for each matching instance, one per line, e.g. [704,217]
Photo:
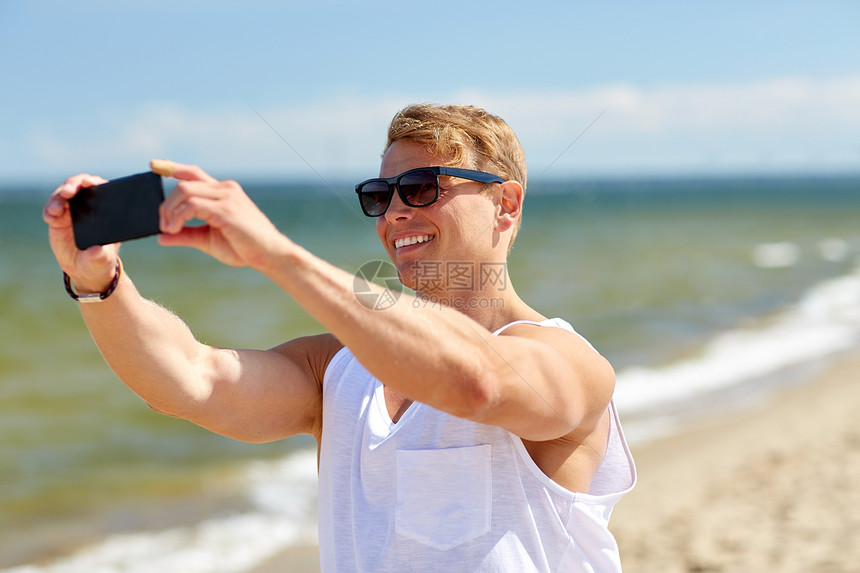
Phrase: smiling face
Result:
[459,227]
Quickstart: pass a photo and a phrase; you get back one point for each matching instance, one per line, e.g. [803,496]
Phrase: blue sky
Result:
[265,88]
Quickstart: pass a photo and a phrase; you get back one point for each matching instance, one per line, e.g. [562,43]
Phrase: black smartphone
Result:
[119,210]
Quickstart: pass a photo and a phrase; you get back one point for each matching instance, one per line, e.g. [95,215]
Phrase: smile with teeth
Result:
[406,241]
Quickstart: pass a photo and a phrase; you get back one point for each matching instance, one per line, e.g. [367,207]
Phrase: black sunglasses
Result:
[416,187]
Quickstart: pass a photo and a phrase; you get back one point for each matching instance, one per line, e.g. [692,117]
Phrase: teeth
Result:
[406,241]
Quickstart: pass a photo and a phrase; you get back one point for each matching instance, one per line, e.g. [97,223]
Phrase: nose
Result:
[397,209]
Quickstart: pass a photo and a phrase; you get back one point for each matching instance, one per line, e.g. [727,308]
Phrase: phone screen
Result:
[119,210]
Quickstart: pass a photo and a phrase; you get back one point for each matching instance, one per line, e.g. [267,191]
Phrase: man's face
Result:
[460,226]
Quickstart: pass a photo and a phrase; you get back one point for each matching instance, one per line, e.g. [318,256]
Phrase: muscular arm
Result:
[245,394]
[539,383]
[248,395]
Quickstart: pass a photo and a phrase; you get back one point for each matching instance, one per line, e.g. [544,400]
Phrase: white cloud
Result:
[789,123]
[324,137]
[768,125]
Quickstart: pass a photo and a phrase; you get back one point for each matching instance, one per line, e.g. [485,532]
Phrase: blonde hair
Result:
[466,136]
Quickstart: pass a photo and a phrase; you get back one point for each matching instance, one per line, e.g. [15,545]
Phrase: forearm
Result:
[392,343]
[436,355]
[150,349]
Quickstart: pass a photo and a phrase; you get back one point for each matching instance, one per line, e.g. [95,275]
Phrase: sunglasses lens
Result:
[419,188]
[375,196]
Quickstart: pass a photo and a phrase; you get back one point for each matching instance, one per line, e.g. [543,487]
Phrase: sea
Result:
[706,294]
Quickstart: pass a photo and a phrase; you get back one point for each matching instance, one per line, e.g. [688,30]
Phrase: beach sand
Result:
[774,488]
[300,559]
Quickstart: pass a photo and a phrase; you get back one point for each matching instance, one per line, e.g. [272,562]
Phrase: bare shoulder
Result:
[573,459]
[573,356]
[570,345]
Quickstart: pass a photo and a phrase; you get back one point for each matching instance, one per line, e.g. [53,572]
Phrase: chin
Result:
[406,273]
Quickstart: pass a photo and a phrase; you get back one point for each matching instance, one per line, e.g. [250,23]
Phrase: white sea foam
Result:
[833,250]
[284,493]
[825,321]
[776,255]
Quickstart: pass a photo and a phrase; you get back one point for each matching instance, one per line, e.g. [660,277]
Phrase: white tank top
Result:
[439,493]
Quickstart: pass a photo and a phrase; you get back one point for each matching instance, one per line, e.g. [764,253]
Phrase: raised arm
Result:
[540,383]
[245,394]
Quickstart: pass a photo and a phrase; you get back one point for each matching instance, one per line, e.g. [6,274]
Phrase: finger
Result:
[174,217]
[70,187]
[185,201]
[58,202]
[163,167]
[181,171]
[206,239]
[54,209]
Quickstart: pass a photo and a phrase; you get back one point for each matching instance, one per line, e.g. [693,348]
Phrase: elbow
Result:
[477,397]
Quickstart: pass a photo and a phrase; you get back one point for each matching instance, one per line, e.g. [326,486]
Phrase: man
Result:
[474,435]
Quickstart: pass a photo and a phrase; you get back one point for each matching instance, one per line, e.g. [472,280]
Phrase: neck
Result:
[493,306]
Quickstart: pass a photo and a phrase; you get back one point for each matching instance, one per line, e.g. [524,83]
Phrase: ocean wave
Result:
[834,250]
[775,255]
[786,254]
[825,321]
[284,495]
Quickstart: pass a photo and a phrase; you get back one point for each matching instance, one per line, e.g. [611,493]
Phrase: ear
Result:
[510,204]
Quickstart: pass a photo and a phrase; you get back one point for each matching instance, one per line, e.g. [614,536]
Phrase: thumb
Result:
[167,168]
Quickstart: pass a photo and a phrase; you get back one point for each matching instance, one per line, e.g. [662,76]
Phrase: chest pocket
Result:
[444,497]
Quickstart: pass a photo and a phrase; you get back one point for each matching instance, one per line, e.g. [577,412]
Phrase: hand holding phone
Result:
[234,230]
[119,210]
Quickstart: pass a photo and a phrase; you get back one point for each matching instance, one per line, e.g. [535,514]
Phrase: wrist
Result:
[280,252]
[94,290]
[94,277]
